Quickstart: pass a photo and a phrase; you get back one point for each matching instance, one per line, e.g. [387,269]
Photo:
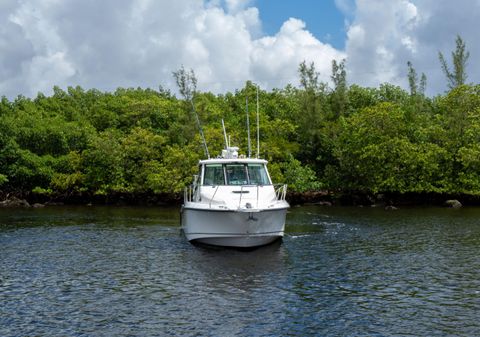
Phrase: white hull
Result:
[233,228]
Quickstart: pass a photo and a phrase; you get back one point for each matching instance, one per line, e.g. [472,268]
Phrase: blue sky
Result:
[322,18]
[139,43]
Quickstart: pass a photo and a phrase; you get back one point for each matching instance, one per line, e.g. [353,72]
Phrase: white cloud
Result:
[129,43]
[385,35]
[234,6]
[279,56]
[346,6]
[123,43]
[379,39]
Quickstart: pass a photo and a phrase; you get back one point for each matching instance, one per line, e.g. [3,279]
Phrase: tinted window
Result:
[257,174]
[236,174]
[213,175]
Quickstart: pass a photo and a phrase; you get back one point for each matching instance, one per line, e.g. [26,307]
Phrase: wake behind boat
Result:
[232,202]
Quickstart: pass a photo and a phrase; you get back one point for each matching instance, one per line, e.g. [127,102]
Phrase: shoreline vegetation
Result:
[389,201]
[332,144]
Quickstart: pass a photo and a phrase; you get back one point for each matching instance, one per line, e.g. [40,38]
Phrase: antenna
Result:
[258,129]
[201,130]
[248,130]
[187,85]
[225,134]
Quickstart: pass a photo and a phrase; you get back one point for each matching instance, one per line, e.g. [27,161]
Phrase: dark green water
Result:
[102,271]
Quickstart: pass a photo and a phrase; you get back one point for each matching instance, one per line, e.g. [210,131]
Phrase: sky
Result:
[139,43]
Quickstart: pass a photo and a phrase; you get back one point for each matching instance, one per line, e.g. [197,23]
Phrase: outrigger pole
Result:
[187,85]
[258,129]
[225,135]
[200,128]
[248,130]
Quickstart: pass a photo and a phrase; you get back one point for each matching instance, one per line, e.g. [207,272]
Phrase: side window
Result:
[257,174]
[213,175]
[236,174]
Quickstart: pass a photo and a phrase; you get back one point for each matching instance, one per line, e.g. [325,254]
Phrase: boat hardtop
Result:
[221,160]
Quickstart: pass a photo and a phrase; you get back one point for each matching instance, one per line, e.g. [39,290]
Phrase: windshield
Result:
[235,174]
[213,175]
[257,174]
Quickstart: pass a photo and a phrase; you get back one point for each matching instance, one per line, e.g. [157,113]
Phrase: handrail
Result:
[210,203]
[280,191]
[192,192]
[187,194]
[240,199]
[196,193]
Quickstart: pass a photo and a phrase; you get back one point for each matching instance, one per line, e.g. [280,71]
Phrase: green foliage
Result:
[174,173]
[68,176]
[3,179]
[309,78]
[392,93]
[102,163]
[468,179]
[30,170]
[359,98]
[313,112]
[345,138]
[375,153]
[300,178]
[457,76]
[417,87]
[187,85]
[278,139]
[339,95]
[459,119]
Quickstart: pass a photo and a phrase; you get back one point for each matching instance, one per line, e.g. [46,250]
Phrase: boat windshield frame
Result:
[234,173]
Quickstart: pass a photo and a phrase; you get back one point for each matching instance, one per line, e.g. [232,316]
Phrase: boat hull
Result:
[242,228]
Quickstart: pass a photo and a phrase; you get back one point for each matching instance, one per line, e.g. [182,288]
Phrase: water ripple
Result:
[348,272]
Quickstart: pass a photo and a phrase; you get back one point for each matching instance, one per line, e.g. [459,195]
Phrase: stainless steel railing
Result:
[281,191]
[192,193]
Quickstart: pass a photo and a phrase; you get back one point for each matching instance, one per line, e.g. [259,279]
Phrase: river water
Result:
[110,271]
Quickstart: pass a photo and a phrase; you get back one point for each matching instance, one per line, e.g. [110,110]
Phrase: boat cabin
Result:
[234,173]
[230,170]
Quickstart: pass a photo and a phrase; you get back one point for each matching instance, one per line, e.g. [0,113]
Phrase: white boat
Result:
[232,202]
